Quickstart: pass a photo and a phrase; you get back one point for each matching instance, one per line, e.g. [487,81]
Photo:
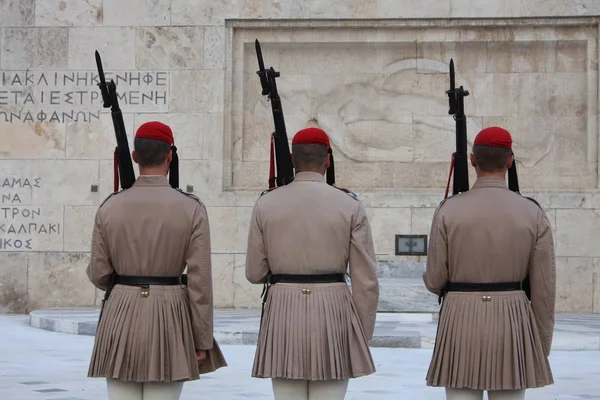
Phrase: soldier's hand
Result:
[201,356]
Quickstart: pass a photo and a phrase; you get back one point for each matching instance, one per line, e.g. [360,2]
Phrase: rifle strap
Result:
[272,164]
[116,170]
[449,177]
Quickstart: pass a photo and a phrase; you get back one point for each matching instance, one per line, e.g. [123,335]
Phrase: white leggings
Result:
[118,390]
[468,394]
[291,389]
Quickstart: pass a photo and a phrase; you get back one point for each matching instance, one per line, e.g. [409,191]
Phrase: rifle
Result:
[459,157]
[123,165]
[280,149]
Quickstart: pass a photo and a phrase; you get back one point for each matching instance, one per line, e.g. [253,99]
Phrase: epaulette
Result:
[189,195]
[109,196]
[443,201]
[268,190]
[352,194]
[534,200]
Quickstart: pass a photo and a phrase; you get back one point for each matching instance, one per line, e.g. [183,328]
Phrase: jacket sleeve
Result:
[100,268]
[257,265]
[436,271]
[363,271]
[200,288]
[542,270]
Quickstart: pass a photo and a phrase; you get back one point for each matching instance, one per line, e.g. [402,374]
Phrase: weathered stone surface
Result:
[559,8]
[68,13]
[13,283]
[203,12]
[284,9]
[59,279]
[246,295]
[197,91]
[229,228]
[484,8]
[136,12]
[170,47]
[206,178]
[413,9]
[84,41]
[22,140]
[79,224]
[223,286]
[405,295]
[96,139]
[574,285]
[577,233]
[34,48]
[17,13]
[386,223]
[214,47]
[596,279]
[421,220]
[16,182]
[65,182]
[343,9]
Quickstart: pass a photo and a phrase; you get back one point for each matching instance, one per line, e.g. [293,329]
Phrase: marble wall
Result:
[373,73]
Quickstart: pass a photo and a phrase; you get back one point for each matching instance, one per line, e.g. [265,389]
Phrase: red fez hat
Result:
[311,136]
[494,137]
[157,131]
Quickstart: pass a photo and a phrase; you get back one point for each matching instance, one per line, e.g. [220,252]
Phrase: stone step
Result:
[400,269]
[406,295]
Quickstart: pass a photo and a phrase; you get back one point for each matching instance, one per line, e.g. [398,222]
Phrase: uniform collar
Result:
[489,182]
[151,180]
[309,176]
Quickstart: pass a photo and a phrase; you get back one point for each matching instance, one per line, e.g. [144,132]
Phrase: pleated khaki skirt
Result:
[488,345]
[311,332]
[148,339]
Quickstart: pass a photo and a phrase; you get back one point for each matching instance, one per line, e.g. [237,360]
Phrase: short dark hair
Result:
[150,152]
[491,159]
[308,156]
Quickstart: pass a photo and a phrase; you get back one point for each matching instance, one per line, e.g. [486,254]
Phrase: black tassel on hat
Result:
[331,169]
[513,180]
[174,169]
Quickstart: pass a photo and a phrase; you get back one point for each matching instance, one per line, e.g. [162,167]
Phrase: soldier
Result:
[483,245]
[154,332]
[314,332]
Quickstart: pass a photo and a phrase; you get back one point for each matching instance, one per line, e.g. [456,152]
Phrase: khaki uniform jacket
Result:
[309,227]
[490,234]
[152,229]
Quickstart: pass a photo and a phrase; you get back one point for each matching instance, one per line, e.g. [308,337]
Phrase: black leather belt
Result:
[323,278]
[479,287]
[145,281]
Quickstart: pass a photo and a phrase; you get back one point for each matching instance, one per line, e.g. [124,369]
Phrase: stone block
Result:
[414,9]
[223,287]
[559,8]
[31,139]
[421,220]
[343,9]
[574,285]
[68,13]
[13,283]
[197,91]
[282,9]
[203,12]
[136,12]
[206,177]
[79,225]
[59,279]
[576,233]
[65,182]
[596,280]
[31,228]
[246,294]
[214,47]
[34,48]
[16,182]
[96,139]
[484,8]
[17,13]
[170,47]
[470,57]
[386,223]
[229,228]
[84,41]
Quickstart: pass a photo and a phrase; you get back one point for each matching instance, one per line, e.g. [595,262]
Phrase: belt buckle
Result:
[145,291]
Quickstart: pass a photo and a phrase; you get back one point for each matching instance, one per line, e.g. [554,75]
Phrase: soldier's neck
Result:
[499,175]
[156,171]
